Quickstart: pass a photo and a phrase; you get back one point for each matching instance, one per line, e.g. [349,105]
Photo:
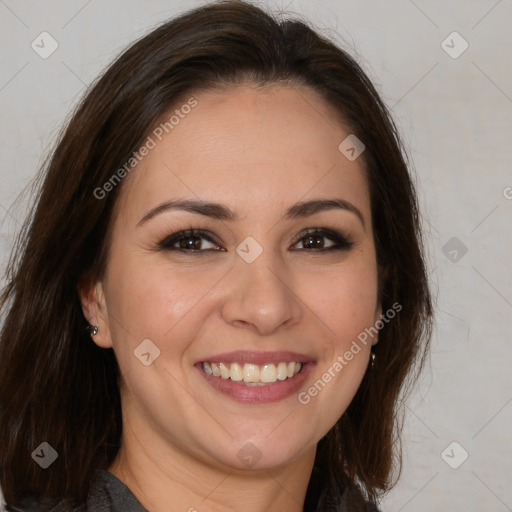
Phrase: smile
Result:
[253,374]
[256,377]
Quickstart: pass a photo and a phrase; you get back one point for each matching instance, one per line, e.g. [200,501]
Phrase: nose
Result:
[260,296]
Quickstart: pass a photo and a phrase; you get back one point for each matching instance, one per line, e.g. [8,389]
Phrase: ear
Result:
[94,307]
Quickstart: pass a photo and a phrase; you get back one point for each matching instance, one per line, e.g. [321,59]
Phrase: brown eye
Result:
[190,240]
[198,241]
[314,240]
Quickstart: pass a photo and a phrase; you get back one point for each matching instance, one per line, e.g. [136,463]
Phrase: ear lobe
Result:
[95,310]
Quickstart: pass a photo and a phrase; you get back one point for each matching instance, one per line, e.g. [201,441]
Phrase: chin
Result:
[263,452]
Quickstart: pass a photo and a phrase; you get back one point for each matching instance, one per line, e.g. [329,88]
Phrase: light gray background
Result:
[455,116]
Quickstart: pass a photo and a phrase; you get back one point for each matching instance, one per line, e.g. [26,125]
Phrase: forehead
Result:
[252,147]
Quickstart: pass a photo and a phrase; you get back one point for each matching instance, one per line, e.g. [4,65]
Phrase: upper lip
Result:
[259,358]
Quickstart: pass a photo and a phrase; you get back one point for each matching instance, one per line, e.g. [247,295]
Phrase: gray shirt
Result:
[107,494]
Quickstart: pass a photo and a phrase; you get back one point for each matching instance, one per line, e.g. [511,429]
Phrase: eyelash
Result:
[341,243]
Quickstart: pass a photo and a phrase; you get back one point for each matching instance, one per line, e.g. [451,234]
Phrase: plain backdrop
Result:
[453,106]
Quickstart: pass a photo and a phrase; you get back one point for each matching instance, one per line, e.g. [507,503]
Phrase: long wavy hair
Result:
[57,386]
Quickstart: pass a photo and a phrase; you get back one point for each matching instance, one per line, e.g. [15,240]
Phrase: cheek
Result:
[147,301]
[345,300]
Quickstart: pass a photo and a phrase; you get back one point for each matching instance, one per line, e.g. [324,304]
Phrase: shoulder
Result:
[106,494]
[36,505]
[354,501]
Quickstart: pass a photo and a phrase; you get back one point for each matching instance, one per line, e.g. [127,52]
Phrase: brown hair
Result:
[57,386]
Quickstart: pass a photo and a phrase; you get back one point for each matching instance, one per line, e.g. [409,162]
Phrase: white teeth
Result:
[215,370]
[282,371]
[253,374]
[268,373]
[224,371]
[235,373]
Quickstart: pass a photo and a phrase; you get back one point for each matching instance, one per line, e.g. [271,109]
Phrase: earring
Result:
[93,329]
[373,358]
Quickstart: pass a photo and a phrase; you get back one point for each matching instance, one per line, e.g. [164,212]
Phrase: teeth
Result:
[235,373]
[253,374]
[224,371]
[268,373]
[215,370]
[282,371]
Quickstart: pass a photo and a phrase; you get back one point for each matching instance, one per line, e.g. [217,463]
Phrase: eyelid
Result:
[341,242]
[167,242]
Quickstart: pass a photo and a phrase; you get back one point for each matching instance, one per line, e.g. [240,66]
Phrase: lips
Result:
[251,388]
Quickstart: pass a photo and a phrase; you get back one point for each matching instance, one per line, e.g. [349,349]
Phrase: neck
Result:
[163,477]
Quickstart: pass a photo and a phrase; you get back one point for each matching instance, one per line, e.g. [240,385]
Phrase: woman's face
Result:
[249,288]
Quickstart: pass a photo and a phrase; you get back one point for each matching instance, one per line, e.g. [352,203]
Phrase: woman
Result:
[221,291]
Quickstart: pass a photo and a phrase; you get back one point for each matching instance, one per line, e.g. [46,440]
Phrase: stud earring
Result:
[373,358]
[93,329]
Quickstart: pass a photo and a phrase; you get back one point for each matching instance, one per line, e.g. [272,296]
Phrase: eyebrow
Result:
[222,212]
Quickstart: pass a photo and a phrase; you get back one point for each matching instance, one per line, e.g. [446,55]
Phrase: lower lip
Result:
[273,392]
